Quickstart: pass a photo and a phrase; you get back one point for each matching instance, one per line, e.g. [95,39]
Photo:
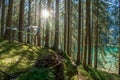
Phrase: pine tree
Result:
[39,26]
[29,22]
[7,34]
[69,20]
[47,25]
[65,24]
[79,34]
[96,38]
[21,21]
[56,39]
[3,17]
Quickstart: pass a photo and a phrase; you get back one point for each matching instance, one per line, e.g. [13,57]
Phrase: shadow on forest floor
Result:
[18,57]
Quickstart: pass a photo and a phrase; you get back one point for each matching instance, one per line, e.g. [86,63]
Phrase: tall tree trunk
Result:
[96,38]
[85,49]
[79,34]
[0,4]
[21,21]
[0,14]
[3,18]
[47,25]
[69,20]
[89,30]
[7,34]
[87,36]
[39,27]
[56,39]
[82,28]
[65,24]
[29,21]
[92,31]
[35,22]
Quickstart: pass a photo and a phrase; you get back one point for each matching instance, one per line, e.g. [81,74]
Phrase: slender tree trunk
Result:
[35,23]
[86,35]
[89,30]
[96,40]
[7,34]
[85,49]
[68,37]
[0,4]
[0,14]
[79,34]
[29,21]
[39,29]
[3,17]
[56,39]
[71,28]
[65,24]
[47,26]
[82,26]
[92,31]
[21,21]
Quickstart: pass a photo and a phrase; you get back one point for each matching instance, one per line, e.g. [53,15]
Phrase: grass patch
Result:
[17,57]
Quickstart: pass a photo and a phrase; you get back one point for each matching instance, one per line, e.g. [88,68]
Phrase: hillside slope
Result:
[18,59]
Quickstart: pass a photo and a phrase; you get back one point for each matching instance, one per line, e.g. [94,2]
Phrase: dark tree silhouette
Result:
[47,25]
[29,21]
[69,20]
[56,39]
[21,21]
[7,34]
[3,17]
[79,34]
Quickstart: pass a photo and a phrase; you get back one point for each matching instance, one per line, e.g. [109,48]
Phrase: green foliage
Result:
[94,74]
[38,74]
[69,70]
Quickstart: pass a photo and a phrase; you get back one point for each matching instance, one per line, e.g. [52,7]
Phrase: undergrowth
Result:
[17,57]
[38,74]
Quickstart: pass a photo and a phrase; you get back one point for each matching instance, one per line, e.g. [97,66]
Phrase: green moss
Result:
[90,73]
[38,74]
[16,57]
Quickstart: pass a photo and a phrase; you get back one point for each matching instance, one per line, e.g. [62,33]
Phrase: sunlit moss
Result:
[15,57]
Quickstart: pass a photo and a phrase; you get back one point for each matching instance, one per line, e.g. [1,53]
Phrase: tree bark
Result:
[68,37]
[96,38]
[56,39]
[65,24]
[89,30]
[79,34]
[7,34]
[2,17]
[47,26]
[29,21]
[21,21]
[39,29]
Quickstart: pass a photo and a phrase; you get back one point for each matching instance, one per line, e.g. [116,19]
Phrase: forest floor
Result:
[17,61]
